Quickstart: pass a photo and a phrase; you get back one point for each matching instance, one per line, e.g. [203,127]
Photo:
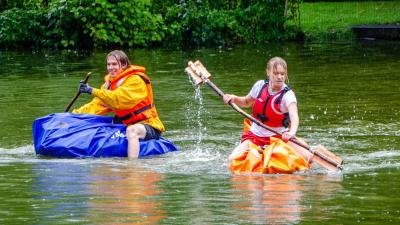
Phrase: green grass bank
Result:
[327,21]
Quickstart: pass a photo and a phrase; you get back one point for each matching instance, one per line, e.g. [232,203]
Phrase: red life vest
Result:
[141,111]
[266,108]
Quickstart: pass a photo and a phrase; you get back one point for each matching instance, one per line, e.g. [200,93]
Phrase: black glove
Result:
[84,88]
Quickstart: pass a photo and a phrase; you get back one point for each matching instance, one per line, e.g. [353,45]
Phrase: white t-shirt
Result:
[288,98]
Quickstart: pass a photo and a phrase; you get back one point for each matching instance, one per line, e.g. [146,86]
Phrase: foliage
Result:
[195,23]
[65,28]
[23,4]
[225,22]
[101,23]
[123,23]
[21,27]
[263,20]
[293,12]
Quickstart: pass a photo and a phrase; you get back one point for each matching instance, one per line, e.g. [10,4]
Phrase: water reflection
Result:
[278,199]
[96,192]
[60,190]
[125,194]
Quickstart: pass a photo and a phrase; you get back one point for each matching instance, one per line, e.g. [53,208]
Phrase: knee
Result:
[132,132]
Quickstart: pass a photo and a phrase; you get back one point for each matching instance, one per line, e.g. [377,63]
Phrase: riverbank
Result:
[322,21]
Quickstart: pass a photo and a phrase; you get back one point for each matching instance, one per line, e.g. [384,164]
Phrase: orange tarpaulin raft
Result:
[278,157]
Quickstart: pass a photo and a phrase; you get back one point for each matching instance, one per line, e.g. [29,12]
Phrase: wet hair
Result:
[274,62]
[121,57]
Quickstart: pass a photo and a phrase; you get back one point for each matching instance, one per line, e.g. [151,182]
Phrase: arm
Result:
[242,101]
[245,101]
[126,96]
[96,106]
[294,122]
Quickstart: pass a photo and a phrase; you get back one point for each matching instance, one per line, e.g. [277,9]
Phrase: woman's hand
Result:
[84,87]
[287,135]
[228,98]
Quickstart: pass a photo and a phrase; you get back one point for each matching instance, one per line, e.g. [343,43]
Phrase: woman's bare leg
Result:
[242,147]
[133,133]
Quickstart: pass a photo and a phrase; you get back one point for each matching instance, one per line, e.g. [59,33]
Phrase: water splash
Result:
[198,116]
[381,159]
[22,151]
[199,147]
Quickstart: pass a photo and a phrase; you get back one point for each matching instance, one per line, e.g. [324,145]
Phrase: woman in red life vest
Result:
[127,92]
[273,103]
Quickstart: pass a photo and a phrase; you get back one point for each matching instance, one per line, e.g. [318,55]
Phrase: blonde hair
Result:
[121,57]
[274,62]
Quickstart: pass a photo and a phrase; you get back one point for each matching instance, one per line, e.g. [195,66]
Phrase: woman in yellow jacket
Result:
[128,93]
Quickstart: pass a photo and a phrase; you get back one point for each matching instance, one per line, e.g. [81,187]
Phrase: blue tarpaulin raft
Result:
[68,135]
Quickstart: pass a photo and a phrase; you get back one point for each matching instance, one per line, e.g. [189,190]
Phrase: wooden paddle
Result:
[77,94]
[321,155]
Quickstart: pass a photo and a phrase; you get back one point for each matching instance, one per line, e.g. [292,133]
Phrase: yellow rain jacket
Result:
[131,92]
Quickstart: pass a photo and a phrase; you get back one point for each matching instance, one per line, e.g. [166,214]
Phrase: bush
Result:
[128,23]
[262,21]
[105,23]
[22,27]
[23,4]
[195,23]
[209,23]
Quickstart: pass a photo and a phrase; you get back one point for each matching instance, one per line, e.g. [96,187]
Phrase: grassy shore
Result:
[332,20]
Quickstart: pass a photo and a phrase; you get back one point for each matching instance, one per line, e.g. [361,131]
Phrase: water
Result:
[348,101]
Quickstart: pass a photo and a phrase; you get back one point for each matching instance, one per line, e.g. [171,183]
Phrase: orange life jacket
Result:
[141,111]
[266,108]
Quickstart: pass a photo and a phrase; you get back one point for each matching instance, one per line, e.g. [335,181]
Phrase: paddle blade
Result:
[194,77]
[327,159]
[201,70]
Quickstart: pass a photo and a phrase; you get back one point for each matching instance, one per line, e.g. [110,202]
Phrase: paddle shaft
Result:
[77,94]
[254,120]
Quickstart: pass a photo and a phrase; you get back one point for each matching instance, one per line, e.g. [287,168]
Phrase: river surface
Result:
[348,100]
